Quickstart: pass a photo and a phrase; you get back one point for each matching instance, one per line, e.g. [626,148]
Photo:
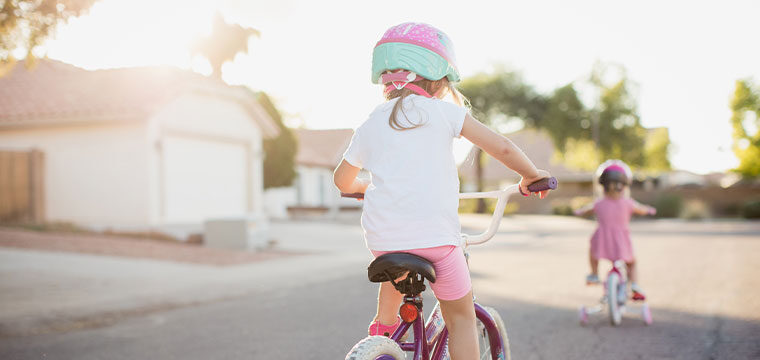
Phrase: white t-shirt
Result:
[413,200]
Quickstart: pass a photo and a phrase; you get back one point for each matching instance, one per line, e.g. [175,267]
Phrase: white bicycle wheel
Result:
[372,347]
[484,342]
[646,313]
[613,282]
[583,315]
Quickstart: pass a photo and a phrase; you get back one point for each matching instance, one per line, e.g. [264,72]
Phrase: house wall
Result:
[94,175]
[221,127]
[314,187]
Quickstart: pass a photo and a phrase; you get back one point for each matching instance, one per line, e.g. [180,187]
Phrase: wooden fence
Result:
[21,186]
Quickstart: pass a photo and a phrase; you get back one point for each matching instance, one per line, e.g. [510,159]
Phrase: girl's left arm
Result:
[641,209]
[346,181]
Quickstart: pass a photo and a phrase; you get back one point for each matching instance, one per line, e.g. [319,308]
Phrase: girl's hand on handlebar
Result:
[527,181]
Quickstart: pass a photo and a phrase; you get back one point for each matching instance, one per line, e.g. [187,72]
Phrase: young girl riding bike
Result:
[612,239]
[411,202]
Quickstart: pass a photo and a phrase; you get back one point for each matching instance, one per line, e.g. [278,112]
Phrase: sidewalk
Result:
[60,282]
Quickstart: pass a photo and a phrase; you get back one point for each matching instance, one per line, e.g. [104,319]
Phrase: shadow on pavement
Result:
[545,332]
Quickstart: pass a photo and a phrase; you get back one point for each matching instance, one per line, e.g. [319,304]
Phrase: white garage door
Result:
[203,179]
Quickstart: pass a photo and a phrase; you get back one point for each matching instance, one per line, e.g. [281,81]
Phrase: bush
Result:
[567,207]
[468,206]
[669,206]
[695,210]
[751,210]
[580,201]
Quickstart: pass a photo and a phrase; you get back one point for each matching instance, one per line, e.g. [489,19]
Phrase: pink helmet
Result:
[418,48]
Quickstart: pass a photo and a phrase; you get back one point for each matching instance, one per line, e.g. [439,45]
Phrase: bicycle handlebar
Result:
[501,196]
[352,195]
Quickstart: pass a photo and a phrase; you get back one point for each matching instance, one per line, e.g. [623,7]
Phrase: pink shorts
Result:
[452,277]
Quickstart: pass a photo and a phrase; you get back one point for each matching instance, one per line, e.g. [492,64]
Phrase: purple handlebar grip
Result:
[543,184]
[353,195]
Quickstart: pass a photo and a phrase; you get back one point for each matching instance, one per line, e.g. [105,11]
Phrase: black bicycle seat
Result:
[396,264]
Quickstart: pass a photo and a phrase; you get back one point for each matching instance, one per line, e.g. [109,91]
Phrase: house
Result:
[319,152]
[137,148]
[540,149]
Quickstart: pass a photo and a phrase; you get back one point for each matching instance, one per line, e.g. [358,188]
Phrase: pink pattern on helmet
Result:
[615,168]
[423,35]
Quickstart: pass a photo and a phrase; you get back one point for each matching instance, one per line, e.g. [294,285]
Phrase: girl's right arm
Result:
[641,209]
[346,180]
[503,150]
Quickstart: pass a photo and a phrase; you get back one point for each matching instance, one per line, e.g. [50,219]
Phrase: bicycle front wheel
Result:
[613,283]
[484,339]
[376,347]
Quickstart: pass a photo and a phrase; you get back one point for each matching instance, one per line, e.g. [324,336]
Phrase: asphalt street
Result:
[701,280]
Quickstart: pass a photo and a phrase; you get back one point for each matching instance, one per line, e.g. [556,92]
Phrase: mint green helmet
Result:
[416,47]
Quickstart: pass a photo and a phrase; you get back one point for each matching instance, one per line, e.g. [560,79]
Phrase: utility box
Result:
[244,233]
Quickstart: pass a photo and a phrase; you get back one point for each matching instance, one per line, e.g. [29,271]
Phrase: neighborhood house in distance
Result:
[162,149]
[313,192]
[149,148]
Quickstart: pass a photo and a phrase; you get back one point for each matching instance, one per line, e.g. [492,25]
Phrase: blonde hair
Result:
[432,87]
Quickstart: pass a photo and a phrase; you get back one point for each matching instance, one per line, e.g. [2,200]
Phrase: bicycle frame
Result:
[426,342]
[430,338]
[422,345]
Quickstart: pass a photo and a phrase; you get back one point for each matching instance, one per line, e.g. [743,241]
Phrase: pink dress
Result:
[612,239]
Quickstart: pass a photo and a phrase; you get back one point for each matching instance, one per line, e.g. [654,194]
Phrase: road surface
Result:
[701,279]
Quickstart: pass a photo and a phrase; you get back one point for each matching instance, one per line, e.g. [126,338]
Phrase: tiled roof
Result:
[539,148]
[54,92]
[322,148]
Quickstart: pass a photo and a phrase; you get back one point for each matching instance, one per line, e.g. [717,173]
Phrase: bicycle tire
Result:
[613,282]
[483,340]
[372,347]
[646,314]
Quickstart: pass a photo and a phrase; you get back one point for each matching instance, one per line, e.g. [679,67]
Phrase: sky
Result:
[314,57]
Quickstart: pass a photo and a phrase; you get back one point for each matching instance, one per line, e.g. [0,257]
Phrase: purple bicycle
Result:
[430,337]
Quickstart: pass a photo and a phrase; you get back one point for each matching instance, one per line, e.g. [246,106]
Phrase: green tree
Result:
[745,119]
[223,44]
[565,117]
[26,24]
[616,126]
[657,149]
[609,127]
[498,98]
[583,134]
[280,152]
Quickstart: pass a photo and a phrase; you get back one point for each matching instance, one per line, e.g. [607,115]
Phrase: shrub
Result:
[563,209]
[470,205]
[695,210]
[668,206]
[751,210]
[580,201]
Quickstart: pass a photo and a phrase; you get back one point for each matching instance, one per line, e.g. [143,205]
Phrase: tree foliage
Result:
[26,24]
[584,134]
[745,119]
[279,152]
[497,99]
[223,44]
[615,124]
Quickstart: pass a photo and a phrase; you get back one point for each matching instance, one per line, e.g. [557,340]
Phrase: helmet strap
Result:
[410,86]
[403,79]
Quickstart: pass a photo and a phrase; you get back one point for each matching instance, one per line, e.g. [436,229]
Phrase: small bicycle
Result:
[615,298]
[430,337]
